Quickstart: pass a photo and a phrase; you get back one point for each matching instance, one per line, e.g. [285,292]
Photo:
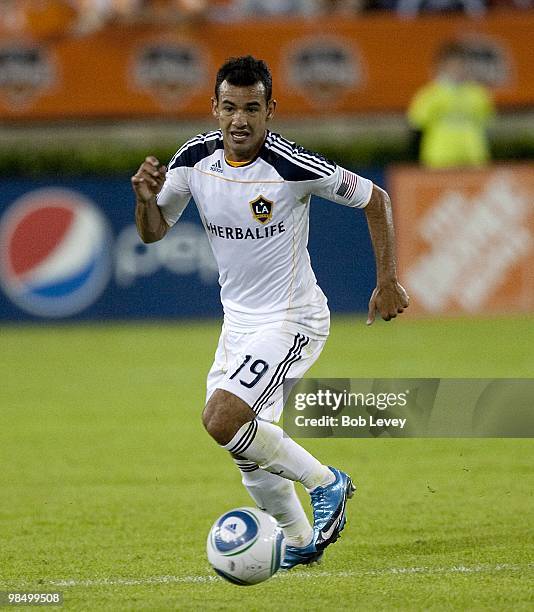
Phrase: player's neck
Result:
[237,164]
[236,160]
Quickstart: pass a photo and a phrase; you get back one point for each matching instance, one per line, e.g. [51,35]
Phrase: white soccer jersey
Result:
[256,218]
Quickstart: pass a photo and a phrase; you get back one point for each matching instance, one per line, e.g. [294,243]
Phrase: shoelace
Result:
[318,503]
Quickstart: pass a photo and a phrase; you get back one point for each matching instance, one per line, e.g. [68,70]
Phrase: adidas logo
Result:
[232,526]
[216,167]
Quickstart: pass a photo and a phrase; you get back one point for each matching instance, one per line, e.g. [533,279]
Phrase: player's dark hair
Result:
[245,71]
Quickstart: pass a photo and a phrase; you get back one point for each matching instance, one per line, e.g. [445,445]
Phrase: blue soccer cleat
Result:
[329,515]
[300,556]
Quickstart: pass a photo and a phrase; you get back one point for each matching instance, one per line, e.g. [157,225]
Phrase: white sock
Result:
[278,497]
[265,444]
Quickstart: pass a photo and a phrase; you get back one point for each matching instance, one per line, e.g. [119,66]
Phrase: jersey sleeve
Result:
[175,194]
[307,173]
[341,186]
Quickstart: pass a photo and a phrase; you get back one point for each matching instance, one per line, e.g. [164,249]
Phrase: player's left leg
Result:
[240,411]
[264,443]
[271,492]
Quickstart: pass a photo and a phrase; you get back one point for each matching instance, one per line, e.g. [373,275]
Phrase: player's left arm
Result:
[389,297]
[349,189]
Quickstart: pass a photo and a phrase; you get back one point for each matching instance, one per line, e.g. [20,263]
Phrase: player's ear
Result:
[214,110]
[271,107]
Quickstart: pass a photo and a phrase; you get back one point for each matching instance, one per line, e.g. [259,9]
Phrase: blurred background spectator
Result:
[274,8]
[342,7]
[510,4]
[53,18]
[450,116]
[44,18]
[410,8]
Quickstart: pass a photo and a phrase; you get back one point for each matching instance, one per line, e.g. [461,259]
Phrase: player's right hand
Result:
[148,180]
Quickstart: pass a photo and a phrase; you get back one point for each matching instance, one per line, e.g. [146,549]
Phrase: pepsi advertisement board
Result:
[69,250]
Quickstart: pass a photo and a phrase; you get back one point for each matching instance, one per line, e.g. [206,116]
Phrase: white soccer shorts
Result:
[254,366]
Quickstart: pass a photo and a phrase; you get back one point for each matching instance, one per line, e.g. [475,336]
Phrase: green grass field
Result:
[109,483]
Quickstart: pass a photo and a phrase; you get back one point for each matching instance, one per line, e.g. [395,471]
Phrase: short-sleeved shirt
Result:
[454,118]
[256,219]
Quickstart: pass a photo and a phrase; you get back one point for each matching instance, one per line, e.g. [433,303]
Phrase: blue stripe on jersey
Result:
[197,148]
[192,141]
[294,163]
[299,151]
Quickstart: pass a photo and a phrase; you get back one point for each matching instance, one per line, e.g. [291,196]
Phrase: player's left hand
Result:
[388,300]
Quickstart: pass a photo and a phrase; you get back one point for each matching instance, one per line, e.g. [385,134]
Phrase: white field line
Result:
[296,575]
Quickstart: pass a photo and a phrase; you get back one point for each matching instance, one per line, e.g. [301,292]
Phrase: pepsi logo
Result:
[55,253]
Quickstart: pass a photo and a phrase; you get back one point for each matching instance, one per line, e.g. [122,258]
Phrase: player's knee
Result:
[224,415]
[219,423]
[213,424]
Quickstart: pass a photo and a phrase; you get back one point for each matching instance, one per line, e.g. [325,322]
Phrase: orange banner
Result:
[466,238]
[369,64]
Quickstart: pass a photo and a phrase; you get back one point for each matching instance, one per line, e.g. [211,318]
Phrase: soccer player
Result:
[252,188]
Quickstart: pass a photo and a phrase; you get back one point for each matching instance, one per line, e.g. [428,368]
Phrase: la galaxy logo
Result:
[262,209]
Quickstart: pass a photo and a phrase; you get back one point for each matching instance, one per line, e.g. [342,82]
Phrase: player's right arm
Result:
[147,183]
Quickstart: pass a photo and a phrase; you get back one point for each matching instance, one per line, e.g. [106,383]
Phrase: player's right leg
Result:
[265,445]
[277,496]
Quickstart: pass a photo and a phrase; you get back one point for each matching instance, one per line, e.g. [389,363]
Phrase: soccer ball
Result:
[245,546]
